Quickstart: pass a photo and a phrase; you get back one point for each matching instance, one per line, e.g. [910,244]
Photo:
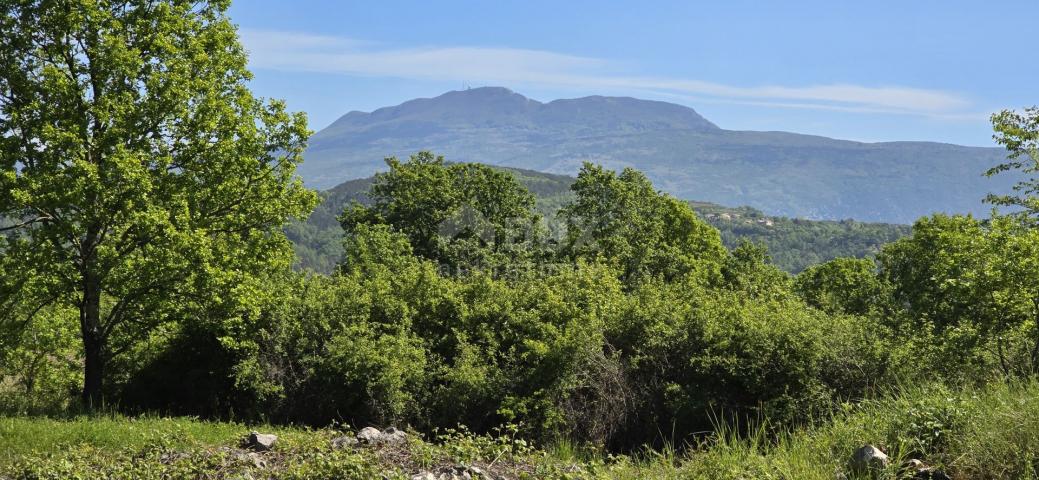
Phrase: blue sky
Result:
[861,70]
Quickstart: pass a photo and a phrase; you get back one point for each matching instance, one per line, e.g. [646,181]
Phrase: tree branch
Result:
[26,223]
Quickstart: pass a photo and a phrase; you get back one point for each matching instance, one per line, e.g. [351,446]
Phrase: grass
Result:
[21,436]
[987,433]
[973,433]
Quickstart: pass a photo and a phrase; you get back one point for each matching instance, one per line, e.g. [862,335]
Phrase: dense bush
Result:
[573,354]
[570,355]
[39,364]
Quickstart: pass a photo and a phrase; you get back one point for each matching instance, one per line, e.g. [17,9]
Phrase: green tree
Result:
[843,285]
[142,175]
[1019,133]
[973,284]
[623,219]
[462,215]
[749,270]
[1010,275]
[930,272]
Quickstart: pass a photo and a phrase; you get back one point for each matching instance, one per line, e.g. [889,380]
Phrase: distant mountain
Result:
[793,243]
[683,153]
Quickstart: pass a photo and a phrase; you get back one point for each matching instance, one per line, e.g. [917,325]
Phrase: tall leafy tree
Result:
[1012,275]
[621,218]
[1019,133]
[975,283]
[460,214]
[930,272]
[138,174]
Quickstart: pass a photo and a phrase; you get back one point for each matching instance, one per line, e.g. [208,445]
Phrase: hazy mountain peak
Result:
[681,151]
[485,107]
[647,114]
[457,107]
[485,92]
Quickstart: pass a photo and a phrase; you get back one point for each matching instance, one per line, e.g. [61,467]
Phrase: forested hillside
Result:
[794,244]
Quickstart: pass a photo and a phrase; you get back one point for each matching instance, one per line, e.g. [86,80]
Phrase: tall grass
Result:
[991,432]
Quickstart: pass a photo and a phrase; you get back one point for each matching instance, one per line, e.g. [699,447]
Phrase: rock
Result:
[344,441]
[869,458]
[369,435]
[423,476]
[372,436]
[260,442]
[392,435]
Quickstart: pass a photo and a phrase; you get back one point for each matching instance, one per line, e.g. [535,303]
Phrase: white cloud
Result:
[511,66]
[269,40]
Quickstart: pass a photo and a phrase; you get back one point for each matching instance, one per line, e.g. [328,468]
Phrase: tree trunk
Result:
[93,341]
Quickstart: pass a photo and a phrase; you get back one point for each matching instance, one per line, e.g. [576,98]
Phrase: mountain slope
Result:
[793,243]
[683,153]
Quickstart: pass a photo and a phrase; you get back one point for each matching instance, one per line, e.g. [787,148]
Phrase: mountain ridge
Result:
[504,101]
[685,154]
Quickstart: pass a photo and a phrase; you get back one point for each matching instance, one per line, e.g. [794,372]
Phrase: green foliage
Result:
[843,286]
[740,358]
[646,234]
[644,325]
[573,354]
[462,216]
[146,182]
[929,270]
[339,349]
[647,297]
[972,285]
[1019,133]
[318,241]
[40,365]
[929,422]
[748,269]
